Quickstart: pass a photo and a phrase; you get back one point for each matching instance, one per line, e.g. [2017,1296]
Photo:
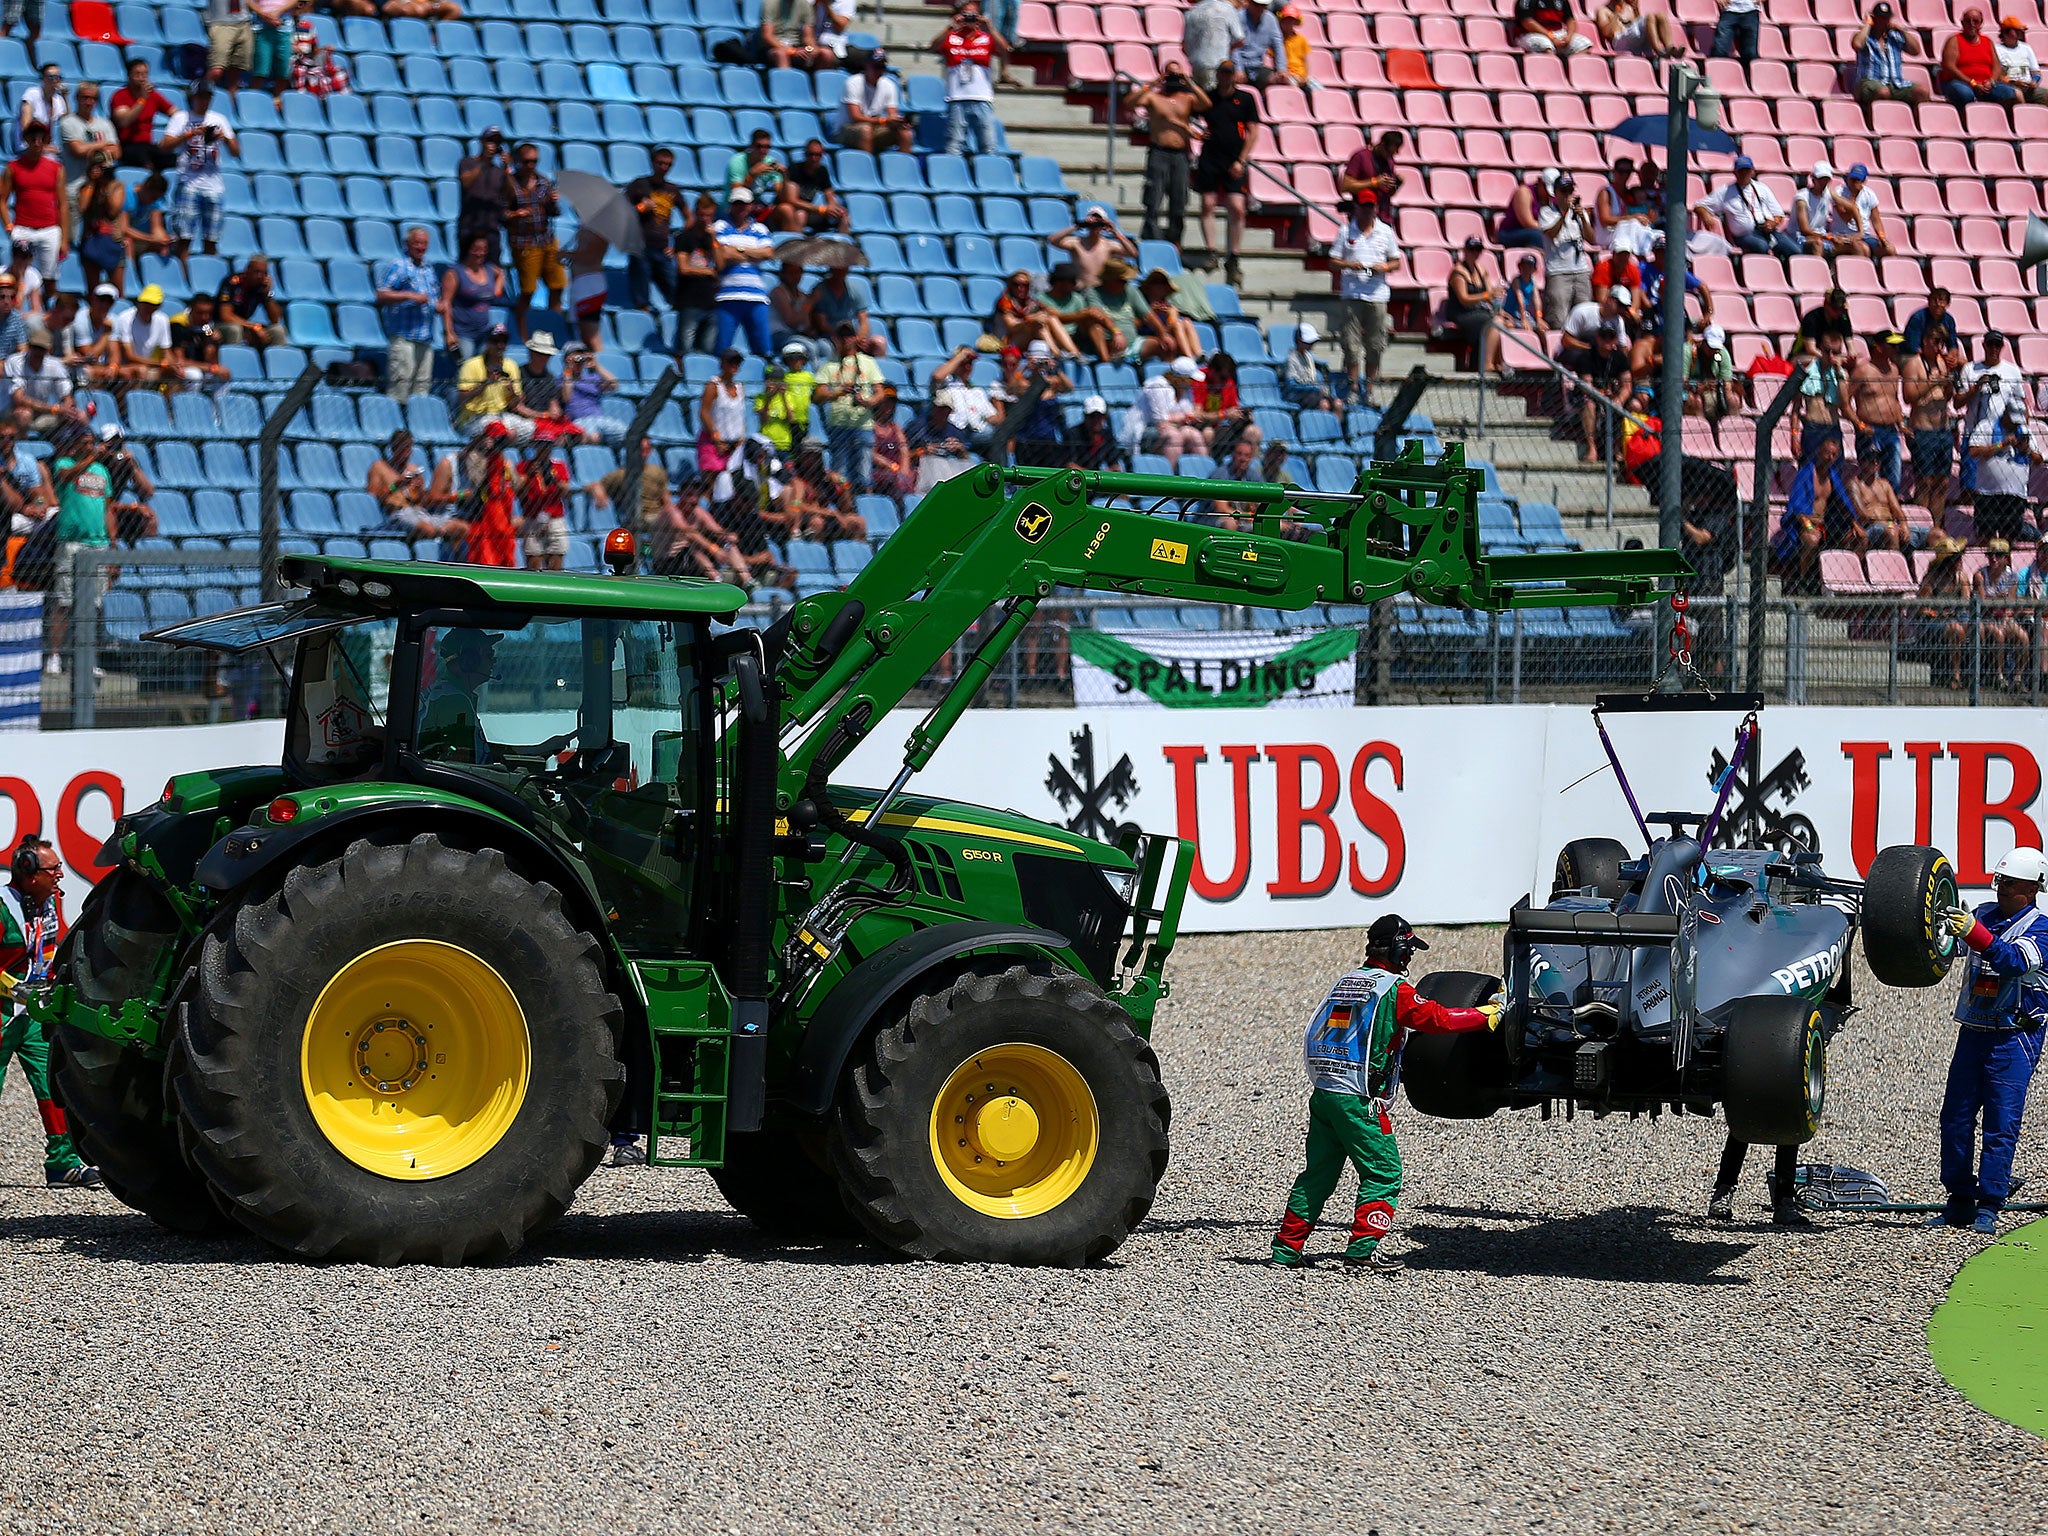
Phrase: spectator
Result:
[486,192]
[30,14]
[1240,463]
[1935,313]
[1520,307]
[1294,47]
[1821,224]
[415,10]
[1223,171]
[1928,381]
[101,215]
[1039,436]
[1828,322]
[1819,514]
[144,333]
[1092,444]
[1624,208]
[1856,210]
[195,345]
[26,497]
[144,230]
[1362,255]
[1164,333]
[2017,65]
[1982,392]
[966,48]
[696,299]
[871,108]
[849,385]
[787,39]
[843,297]
[1711,390]
[230,43]
[1576,335]
[1210,30]
[1617,269]
[1261,53]
[1020,318]
[654,492]
[136,106]
[1881,50]
[759,169]
[809,204]
[789,307]
[1372,168]
[90,348]
[488,394]
[270,46]
[1113,296]
[654,197]
[2006,638]
[1603,370]
[1169,102]
[407,293]
[1749,214]
[531,206]
[585,383]
[85,520]
[1169,416]
[540,392]
[468,291]
[1548,26]
[1628,29]
[971,412]
[39,388]
[1472,300]
[1086,322]
[494,495]
[315,71]
[198,135]
[2005,454]
[33,209]
[1878,512]
[83,136]
[1002,20]
[543,482]
[741,245]
[1736,31]
[413,507]
[1093,244]
[1521,222]
[1303,384]
[1649,294]
[1942,632]
[722,416]
[1567,269]
[801,384]
[1969,66]
[686,540]
[818,500]
[891,470]
[1820,389]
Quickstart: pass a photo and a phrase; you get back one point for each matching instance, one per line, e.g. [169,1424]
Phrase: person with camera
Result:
[1170,102]
[31,921]
[1362,255]
[413,506]
[1094,243]
[199,135]
[1223,172]
[2005,455]
[967,48]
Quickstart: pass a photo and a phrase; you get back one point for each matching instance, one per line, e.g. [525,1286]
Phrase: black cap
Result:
[1388,931]
[1989,337]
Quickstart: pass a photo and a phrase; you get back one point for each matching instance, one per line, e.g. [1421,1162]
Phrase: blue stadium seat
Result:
[457,40]
[854,170]
[390,549]
[398,156]
[334,416]
[635,45]
[1002,216]
[178,467]
[412,201]
[260,152]
[303,113]
[900,173]
[426,416]
[243,363]
[349,281]
[284,364]
[918,337]
[380,417]
[546,41]
[357,510]
[304,154]
[239,416]
[911,213]
[587,158]
[622,123]
[1020,253]
[310,324]
[311,511]
[502,40]
[348,154]
[438,156]
[359,327]
[957,331]
[437,116]
[653,84]
[925,253]
[1041,174]
[1223,299]
[375,73]
[975,256]
[995,173]
[275,194]
[562,81]
[192,416]
[1047,216]
[321,197]
[138,23]
[516,80]
[1158,253]
[625,162]
[476,83]
[591,45]
[949,173]
[148,416]
[943,296]
[320,468]
[364,34]
[697,86]
[367,197]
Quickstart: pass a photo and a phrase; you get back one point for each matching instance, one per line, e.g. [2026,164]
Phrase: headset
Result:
[27,858]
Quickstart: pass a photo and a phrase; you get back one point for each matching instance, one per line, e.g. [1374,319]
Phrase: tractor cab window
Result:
[593,724]
[340,686]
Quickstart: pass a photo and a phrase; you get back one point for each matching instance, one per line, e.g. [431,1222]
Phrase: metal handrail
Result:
[1116,79]
[1565,380]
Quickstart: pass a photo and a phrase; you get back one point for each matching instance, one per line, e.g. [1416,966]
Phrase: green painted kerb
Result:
[1990,1338]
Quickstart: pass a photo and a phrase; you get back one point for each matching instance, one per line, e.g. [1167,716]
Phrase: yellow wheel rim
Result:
[1014,1130]
[415,1059]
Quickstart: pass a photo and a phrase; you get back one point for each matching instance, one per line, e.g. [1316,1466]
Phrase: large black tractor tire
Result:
[778,1179]
[1774,1070]
[1012,1118]
[1904,896]
[1462,1076]
[113,1097]
[406,1055]
[1590,861]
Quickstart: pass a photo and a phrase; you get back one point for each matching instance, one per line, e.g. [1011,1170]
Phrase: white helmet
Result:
[2027,864]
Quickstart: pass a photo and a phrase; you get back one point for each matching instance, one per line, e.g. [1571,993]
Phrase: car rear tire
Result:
[1904,896]
[1774,1070]
[1590,861]
[1462,1076]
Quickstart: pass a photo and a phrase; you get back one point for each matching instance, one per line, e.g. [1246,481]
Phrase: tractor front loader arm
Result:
[995,538]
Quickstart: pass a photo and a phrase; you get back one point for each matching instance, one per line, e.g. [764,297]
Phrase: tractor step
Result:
[687,1010]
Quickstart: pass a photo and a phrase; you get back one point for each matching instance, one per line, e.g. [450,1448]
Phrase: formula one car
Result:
[1686,977]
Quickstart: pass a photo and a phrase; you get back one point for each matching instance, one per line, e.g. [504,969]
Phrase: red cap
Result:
[1368,197]
[497,429]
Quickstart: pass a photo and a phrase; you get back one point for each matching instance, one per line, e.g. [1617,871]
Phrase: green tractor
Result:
[551,857]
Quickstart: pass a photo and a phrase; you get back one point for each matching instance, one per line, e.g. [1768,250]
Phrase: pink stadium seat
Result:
[1837,13]
[1576,152]
[1809,274]
[1347,30]
[1429,267]
[1965,307]
[1995,157]
[1298,141]
[1763,275]
[1738,437]
[1316,185]
[1089,63]
[1462,224]
[1438,146]
[2033,352]
[1948,157]
[1770,42]
[1341,141]
[1324,67]
[1770,79]
[1769,155]
[1918,196]
[1543,72]
[1853,150]
[1606,111]
[1718,273]
[1922,559]
[1484,147]
[1745,349]
[2030,123]
[1500,72]
[2015,197]
[1134,59]
[1421,227]
[1967,196]
[1452,70]
[1362,67]
[1776,313]
[1495,187]
[1120,23]
[1080,23]
[1727,77]
[1801,151]
[1940,120]
[1798,115]
[1035,23]
[1816,81]
[1935,235]
[1900,275]
[1341,107]
[2008,315]
[1452,188]
[1809,43]
[1867,313]
[1426,109]
[1394,30]
[1747,115]
[1163,26]
[1929,14]
[1560,111]
[2000,275]
[1381,108]
[1287,104]
[1900,157]
[1857,274]
[1888,570]
[1441,33]
[1590,73]
[1634,74]
[1841,573]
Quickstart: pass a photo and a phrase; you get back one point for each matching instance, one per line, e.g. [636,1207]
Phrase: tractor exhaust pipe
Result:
[754,894]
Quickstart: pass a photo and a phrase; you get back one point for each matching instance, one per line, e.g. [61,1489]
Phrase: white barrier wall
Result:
[1323,818]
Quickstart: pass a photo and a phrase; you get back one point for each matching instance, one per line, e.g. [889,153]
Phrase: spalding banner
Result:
[1241,668]
[1325,818]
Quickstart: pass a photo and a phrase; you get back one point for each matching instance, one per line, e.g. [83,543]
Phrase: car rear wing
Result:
[1590,927]
[1599,928]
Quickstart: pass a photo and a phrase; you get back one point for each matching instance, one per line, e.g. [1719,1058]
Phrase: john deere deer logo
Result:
[1032,524]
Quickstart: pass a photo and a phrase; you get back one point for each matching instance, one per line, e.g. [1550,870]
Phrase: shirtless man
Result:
[413,506]
[1091,243]
[1928,380]
[1872,404]
[1822,396]
[1877,505]
[1172,100]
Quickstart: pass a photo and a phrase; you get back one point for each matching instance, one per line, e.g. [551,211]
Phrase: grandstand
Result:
[325,186]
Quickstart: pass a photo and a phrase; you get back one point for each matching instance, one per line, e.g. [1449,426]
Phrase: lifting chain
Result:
[1679,656]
